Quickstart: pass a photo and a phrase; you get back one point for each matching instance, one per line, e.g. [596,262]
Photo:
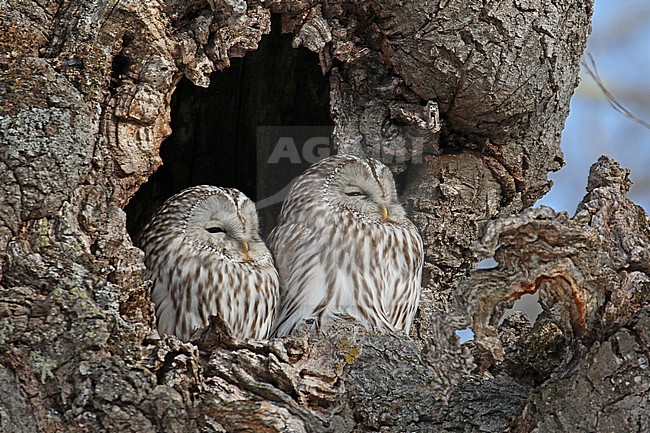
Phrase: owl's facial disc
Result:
[355,192]
[365,192]
[218,225]
[229,232]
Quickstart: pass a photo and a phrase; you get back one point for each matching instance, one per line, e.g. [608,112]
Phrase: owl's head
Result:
[224,221]
[365,187]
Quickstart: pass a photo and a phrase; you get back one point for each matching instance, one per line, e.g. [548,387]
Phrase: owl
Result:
[345,247]
[204,255]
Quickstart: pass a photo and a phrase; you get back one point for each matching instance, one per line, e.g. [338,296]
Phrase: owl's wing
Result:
[304,290]
[401,296]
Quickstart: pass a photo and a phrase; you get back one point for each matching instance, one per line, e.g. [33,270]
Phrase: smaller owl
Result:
[345,247]
[204,255]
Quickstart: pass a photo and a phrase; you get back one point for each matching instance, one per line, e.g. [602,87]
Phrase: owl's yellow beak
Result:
[245,248]
[384,212]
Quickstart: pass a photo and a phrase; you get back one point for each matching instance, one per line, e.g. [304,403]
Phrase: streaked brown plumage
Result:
[204,255]
[344,246]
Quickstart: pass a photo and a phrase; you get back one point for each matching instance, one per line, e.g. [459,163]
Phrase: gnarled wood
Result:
[85,89]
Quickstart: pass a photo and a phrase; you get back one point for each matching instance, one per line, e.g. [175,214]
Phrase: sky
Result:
[620,45]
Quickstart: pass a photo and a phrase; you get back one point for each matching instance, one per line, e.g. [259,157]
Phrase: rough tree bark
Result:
[84,106]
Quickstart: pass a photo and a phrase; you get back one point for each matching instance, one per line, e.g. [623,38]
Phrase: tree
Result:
[85,105]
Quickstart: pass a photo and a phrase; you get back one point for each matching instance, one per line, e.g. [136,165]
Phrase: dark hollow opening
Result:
[274,99]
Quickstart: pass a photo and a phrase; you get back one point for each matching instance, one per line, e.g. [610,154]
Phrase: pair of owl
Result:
[343,246]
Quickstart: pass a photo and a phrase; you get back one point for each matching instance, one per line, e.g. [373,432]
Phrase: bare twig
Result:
[589,63]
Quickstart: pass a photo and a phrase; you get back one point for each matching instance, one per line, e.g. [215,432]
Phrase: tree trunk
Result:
[464,100]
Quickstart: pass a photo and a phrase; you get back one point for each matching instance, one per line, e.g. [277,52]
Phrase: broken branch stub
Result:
[588,269]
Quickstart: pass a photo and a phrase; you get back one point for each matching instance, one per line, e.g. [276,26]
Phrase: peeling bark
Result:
[465,99]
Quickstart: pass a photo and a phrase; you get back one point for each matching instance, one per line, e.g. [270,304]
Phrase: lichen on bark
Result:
[85,89]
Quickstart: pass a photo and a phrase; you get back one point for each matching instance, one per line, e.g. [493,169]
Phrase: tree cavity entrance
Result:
[258,125]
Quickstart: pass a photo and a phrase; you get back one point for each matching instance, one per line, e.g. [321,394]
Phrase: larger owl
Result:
[345,247]
[204,255]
